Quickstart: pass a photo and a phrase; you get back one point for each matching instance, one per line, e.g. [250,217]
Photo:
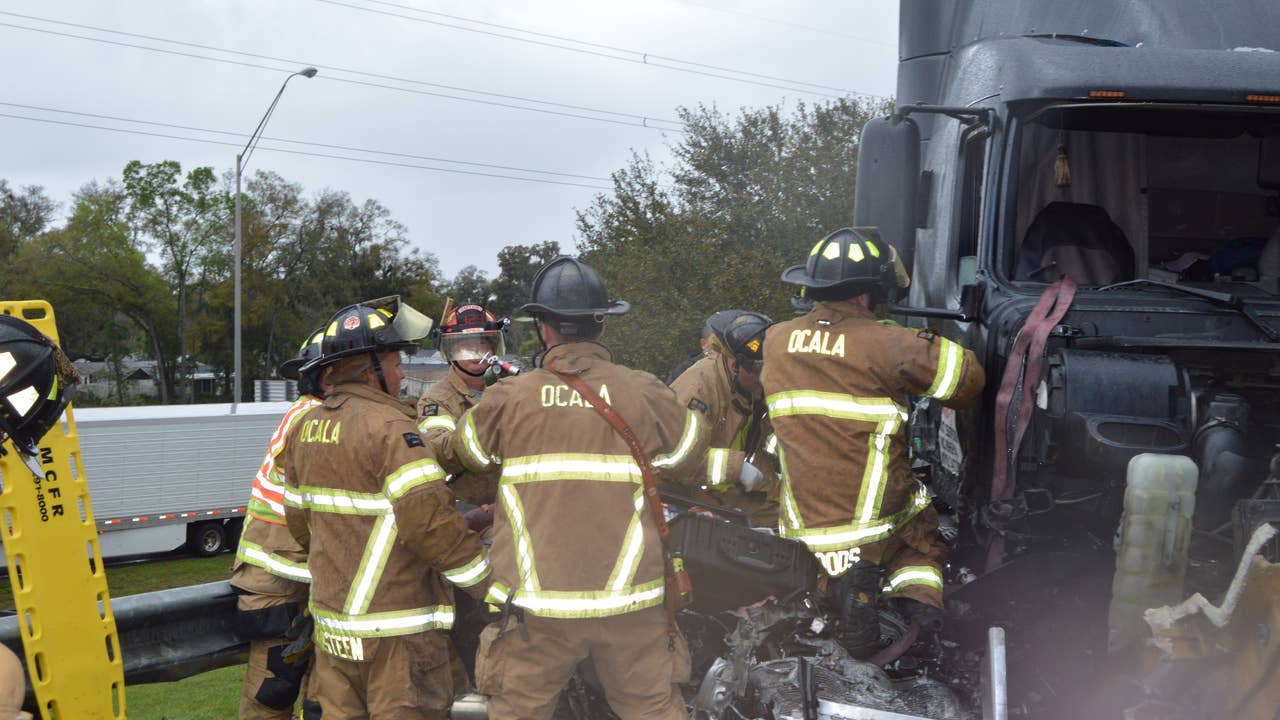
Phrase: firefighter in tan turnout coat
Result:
[367,500]
[467,335]
[741,469]
[837,384]
[270,572]
[577,562]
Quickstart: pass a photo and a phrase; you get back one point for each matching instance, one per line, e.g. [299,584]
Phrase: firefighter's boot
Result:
[857,592]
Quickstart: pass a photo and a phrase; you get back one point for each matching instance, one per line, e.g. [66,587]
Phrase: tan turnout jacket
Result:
[836,382]
[737,431]
[438,411]
[367,500]
[573,537]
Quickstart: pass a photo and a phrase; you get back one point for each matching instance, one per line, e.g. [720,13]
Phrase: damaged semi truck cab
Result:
[1134,148]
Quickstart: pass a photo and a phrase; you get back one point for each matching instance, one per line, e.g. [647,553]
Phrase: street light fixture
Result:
[242,159]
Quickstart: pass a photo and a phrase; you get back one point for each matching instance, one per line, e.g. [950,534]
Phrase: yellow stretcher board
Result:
[55,569]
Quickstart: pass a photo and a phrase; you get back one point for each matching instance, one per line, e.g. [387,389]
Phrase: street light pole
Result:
[242,158]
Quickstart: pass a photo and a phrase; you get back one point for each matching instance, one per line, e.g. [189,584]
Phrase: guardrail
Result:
[166,635]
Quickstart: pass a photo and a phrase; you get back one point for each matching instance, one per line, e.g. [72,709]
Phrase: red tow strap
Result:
[1024,366]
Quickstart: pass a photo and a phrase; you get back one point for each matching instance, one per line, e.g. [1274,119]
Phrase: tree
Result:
[23,215]
[109,300]
[181,220]
[746,197]
[517,264]
[471,284]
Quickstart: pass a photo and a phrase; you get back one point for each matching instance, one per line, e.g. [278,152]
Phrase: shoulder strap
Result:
[652,498]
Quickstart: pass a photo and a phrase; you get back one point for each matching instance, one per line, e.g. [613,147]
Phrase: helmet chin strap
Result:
[377,368]
[458,366]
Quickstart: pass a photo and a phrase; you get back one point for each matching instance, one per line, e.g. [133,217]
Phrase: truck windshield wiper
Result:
[1222,299]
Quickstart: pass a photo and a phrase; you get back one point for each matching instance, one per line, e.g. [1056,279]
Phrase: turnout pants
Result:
[401,678]
[271,687]
[632,655]
[912,559]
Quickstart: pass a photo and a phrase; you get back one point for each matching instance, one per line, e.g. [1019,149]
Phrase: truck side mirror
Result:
[888,173]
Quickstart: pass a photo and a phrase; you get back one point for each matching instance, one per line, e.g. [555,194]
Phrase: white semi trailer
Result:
[165,476]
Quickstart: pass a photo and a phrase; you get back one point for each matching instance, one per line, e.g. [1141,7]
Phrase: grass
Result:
[214,695]
[166,572]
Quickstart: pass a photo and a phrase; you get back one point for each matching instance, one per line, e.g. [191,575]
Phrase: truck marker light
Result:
[1115,94]
[1262,98]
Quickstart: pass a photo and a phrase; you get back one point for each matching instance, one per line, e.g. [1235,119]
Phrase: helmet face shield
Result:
[472,345]
[410,324]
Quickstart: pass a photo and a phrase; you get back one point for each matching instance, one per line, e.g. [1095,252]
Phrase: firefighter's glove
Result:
[480,518]
[301,632]
[750,478]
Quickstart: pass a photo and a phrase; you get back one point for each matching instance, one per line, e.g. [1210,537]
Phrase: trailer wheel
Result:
[207,538]
[235,527]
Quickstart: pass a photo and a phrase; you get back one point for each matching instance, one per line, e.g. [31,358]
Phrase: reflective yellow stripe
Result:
[836,405]
[471,443]
[571,466]
[434,422]
[624,570]
[852,535]
[520,532]
[914,575]
[950,361]
[340,502]
[790,520]
[376,550]
[383,624]
[876,472]
[409,476]
[717,467]
[586,604]
[692,427]
[469,574]
[253,554]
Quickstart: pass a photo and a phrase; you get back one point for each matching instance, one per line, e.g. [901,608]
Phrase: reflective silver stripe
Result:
[571,466]
[469,574]
[387,624]
[433,422]
[692,427]
[376,551]
[838,405]
[845,537]
[584,604]
[292,498]
[255,555]
[717,459]
[771,445]
[347,503]
[872,491]
[950,360]
[633,546]
[472,444]
[524,544]
[411,475]
[914,575]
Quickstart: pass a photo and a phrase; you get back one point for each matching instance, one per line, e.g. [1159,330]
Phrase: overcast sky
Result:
[77,62]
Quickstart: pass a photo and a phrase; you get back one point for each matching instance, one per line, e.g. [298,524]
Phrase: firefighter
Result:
[270,572]
[704,347]
[367,501]
[578,564]
[468,335]
[837,384]
[741,471]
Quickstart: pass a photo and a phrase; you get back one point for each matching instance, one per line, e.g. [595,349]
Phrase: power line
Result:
[788,23]
[306,153]
[303,142]
[643,58]
[644,121]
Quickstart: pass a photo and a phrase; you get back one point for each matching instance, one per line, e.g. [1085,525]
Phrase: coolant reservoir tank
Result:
[1155,531]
